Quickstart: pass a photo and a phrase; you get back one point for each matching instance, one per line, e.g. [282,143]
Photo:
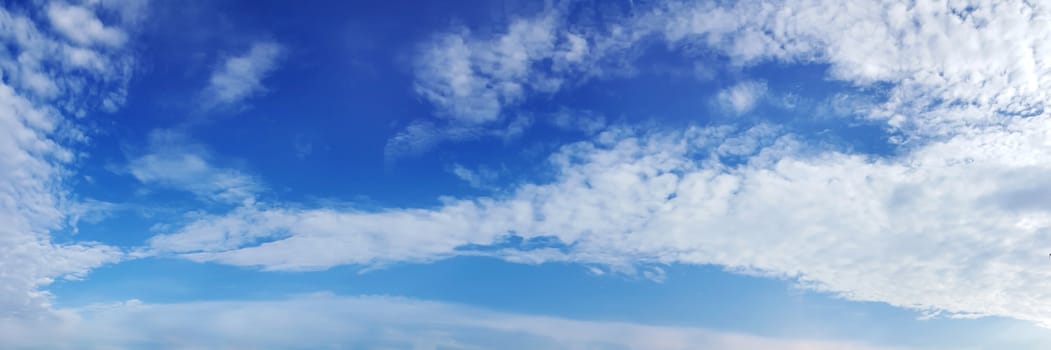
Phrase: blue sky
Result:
[464,175]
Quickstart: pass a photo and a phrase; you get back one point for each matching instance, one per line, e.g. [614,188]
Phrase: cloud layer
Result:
[901,231]
[324,321]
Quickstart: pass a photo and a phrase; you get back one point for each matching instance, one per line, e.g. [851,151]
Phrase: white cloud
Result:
[983,59]
[43,79]
[576,48]
[316,239]
[470,78]
[481,178]
[900,230]
[70,77]
[447,78]
[81,26]
[325,321]
[950,65]
[420,135]
[242,76]
[742,97]
[175,161]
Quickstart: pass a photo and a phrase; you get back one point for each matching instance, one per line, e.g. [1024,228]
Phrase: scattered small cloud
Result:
[241,77]
[471,79]
[586,121]
[742,97]
[89,211]
[422,135]
[480,178]
[175,161]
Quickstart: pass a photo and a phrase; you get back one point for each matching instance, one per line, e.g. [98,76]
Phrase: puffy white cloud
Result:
[949,64]
[470,78]
[175,161]
[72,77]
[448,79]
[80,25]
[241,77]
[742,97]
[324,321]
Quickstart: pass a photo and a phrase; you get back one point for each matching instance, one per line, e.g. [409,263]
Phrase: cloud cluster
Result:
[900,230]
[86,69]
[950,64]
[45,81]
[973,62]
[325,321]
[80,25]
[471,78]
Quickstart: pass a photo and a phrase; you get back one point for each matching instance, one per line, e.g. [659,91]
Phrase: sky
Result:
[786,174]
